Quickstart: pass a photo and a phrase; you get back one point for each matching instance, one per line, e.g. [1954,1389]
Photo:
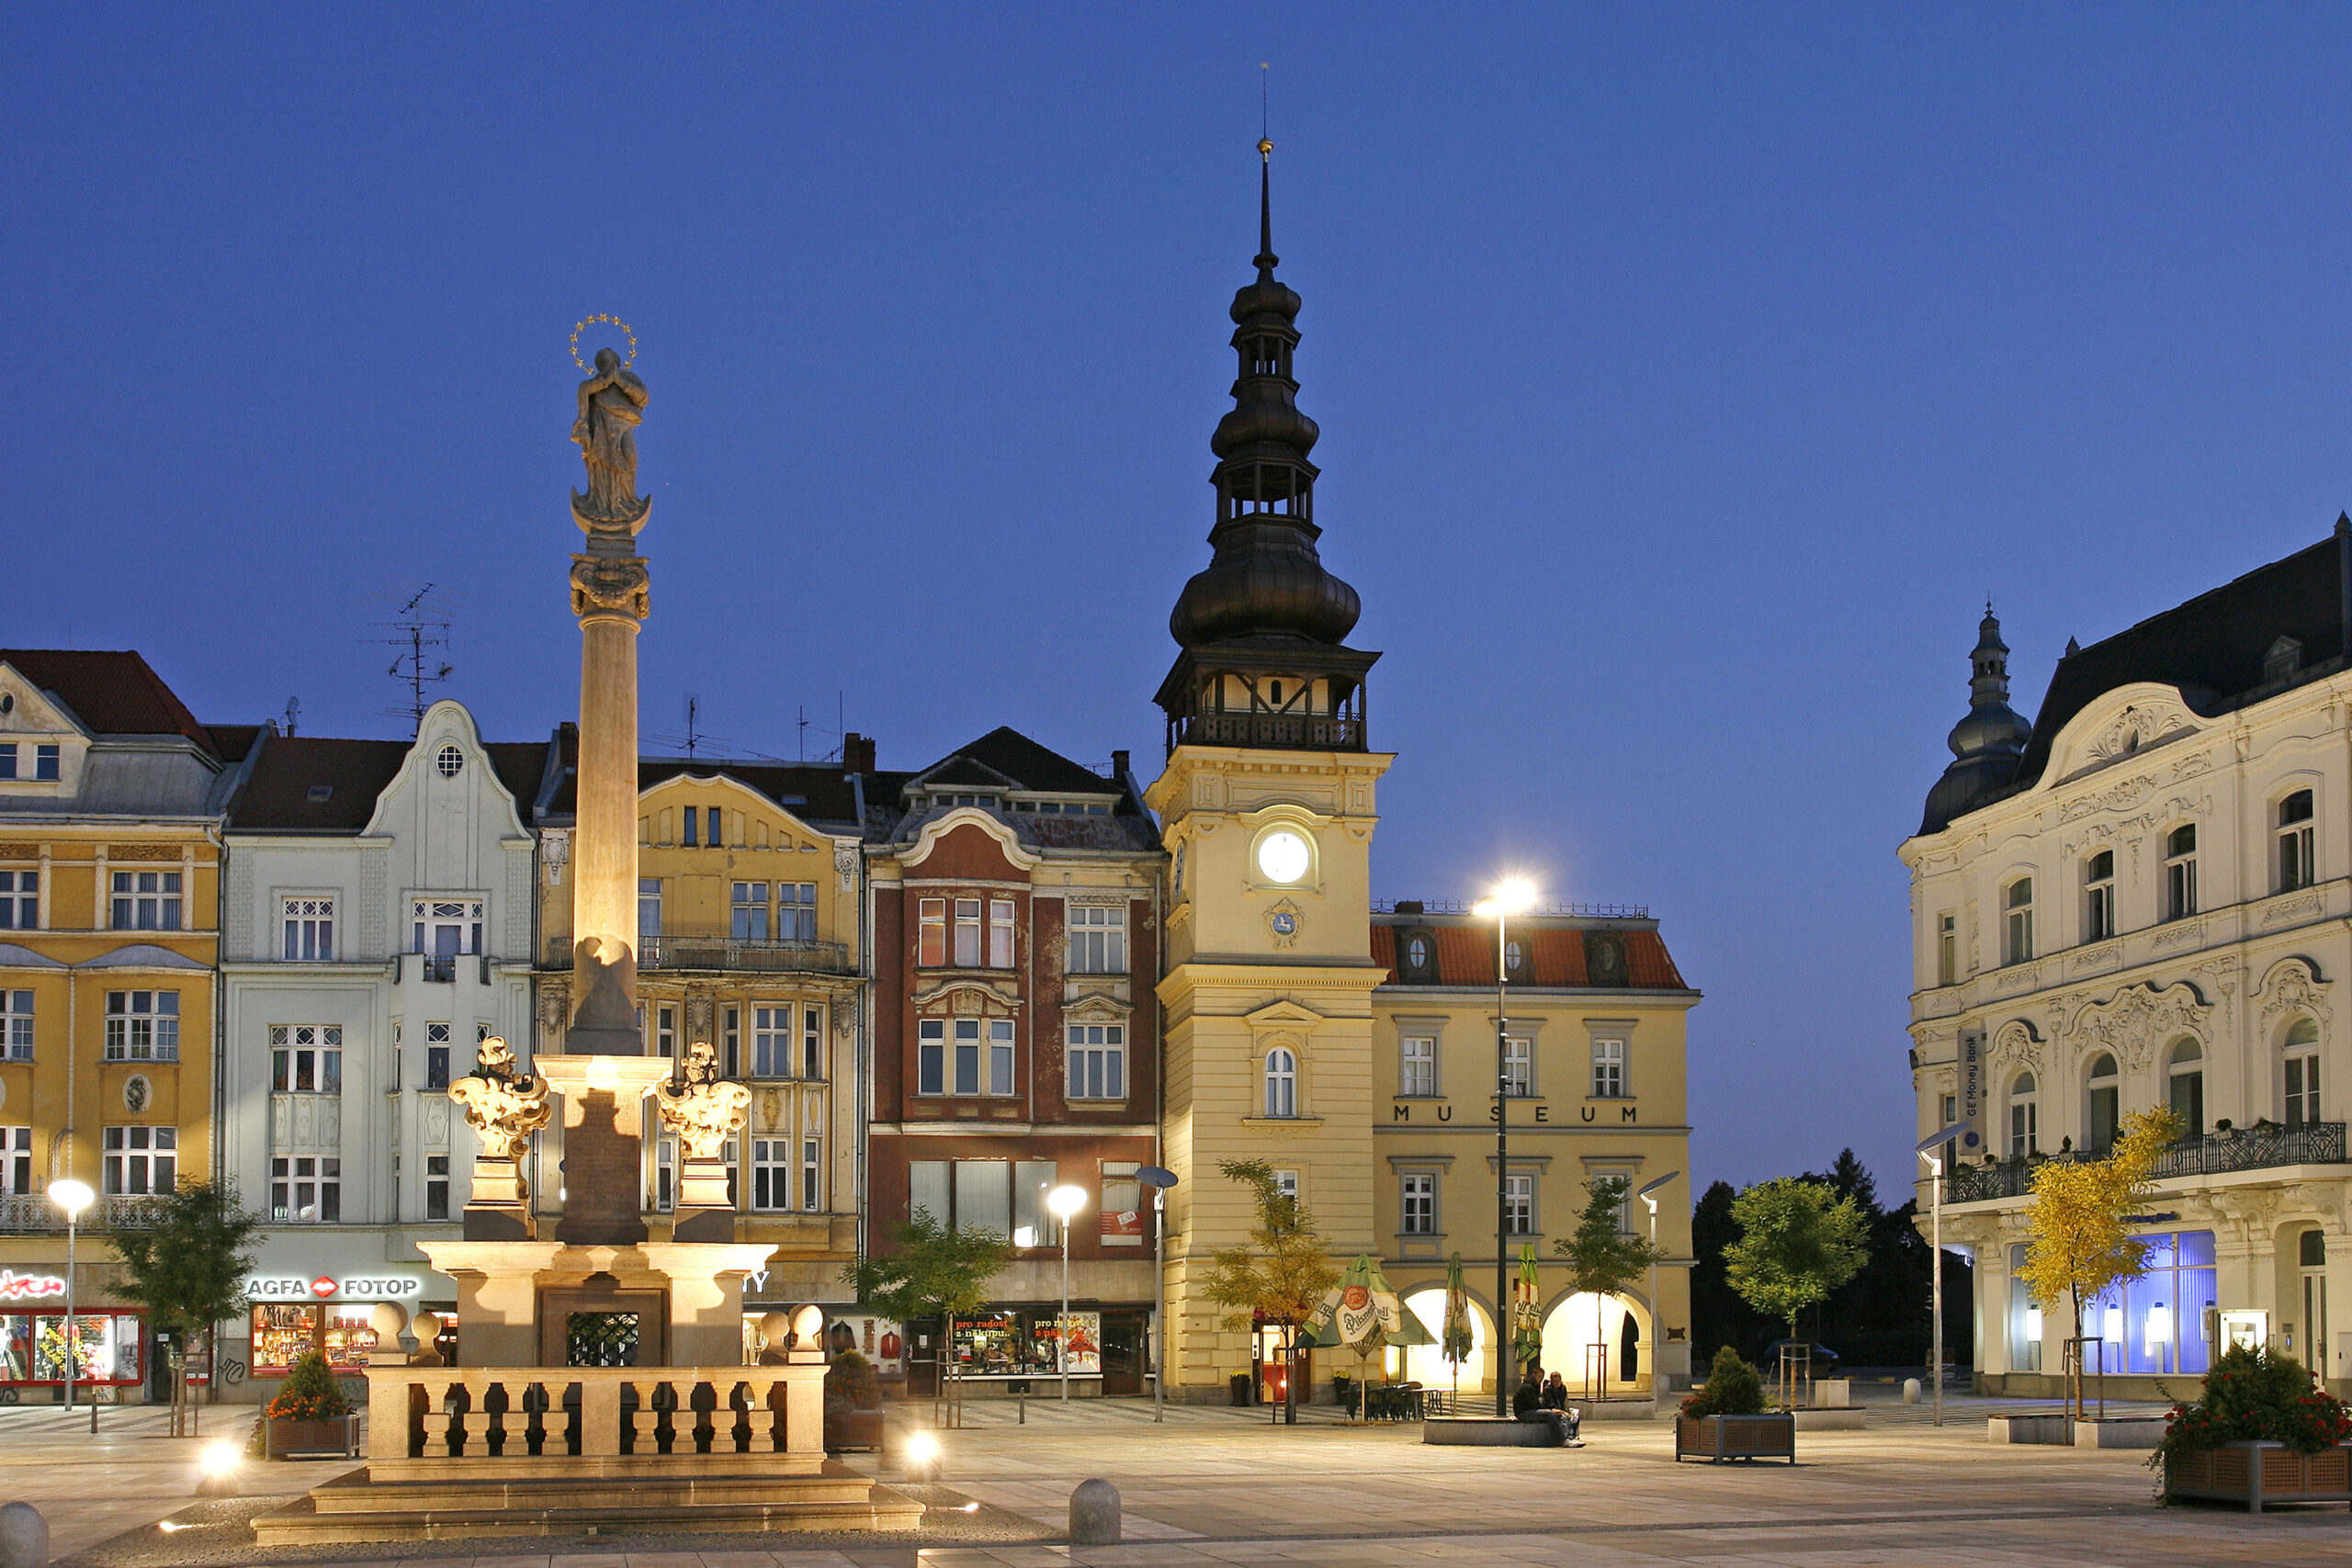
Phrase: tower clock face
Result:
[1283,857]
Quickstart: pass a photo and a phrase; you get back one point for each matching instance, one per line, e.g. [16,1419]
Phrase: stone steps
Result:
[352,1508]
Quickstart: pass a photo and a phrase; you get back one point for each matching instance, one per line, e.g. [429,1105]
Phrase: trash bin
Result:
[1241,1389]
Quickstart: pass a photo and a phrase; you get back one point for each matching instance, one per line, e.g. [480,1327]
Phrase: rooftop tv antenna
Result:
[420,622]
[694,737]
[293,710]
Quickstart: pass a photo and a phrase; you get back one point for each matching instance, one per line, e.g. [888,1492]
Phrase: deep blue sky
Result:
[1688,376]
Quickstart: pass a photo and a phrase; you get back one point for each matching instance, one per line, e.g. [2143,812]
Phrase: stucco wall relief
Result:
[2137,1019]
[2293,983]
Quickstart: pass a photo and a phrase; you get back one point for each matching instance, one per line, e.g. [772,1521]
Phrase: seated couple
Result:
[1547,1403]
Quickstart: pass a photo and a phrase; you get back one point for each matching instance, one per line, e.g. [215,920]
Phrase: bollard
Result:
[1094,1513]
[24,1536]
[1910,1390]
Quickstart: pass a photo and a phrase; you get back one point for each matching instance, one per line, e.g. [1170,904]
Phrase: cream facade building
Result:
[2142,899]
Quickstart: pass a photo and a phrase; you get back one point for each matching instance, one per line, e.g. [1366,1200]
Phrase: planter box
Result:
[336,1439]
[852,1429]
[1736,1437]
[2256,1474]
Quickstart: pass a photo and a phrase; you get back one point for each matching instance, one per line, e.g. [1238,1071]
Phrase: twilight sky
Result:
[1688,375]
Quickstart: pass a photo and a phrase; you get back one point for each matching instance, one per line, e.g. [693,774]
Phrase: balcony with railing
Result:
[718,951]
[22,1213]
[1308,731]
[2209,1154]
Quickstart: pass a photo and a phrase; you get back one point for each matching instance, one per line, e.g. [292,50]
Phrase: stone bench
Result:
[1489,1432]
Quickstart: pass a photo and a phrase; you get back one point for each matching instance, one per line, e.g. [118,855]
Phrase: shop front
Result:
[1014,1348]
[107,1345]
[320,1293]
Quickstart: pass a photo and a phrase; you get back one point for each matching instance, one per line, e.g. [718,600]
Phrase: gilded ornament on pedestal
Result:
[503,1107]
[703,1109]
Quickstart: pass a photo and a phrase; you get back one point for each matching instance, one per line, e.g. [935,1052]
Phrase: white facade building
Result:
[2142,899]
[377,922]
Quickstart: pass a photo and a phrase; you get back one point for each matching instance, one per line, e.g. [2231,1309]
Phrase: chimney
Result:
[858,753]
[1118,764]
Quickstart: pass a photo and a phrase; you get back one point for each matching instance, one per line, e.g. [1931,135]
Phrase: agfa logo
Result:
[323,1286]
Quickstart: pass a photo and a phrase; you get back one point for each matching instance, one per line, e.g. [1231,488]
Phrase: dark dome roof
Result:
[1265,581]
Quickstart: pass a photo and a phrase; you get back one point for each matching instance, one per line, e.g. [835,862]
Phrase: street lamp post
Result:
[1065,1201]
[74,1197]
[1931,1150]
[1160,1179]
[1648,1195]
[1514,896]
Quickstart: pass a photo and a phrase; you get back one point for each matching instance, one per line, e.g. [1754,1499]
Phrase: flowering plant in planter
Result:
[2255,1394]
[308,1394]
[1733,1388]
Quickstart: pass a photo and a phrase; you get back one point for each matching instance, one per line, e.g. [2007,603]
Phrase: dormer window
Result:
[2282,658]
[38,760]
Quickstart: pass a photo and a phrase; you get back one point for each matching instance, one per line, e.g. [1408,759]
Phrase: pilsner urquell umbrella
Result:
[1457,1341]
[1362,1311]
[1526,1325]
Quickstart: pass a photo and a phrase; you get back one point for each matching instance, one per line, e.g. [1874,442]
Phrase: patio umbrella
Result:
[1362,1312]
[1458,1340]
[1527,1326]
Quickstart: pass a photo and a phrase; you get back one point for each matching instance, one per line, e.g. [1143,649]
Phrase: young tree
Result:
[2079,1245]
[188,1267]
[1798,1242]
[934,1271]
[1604,1260]
[1280,1277]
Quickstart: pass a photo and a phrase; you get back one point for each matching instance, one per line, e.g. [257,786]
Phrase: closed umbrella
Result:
[1458,1340]
[1527,1325]
[1362,1311]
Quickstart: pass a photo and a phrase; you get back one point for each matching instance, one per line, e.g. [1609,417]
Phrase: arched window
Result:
[2098,896]
[2016,904]
[2295,846]
[2180,872]
[1282,1083]
[2025,1118]
[2186,1092]
[2302,1073]
[2105,1104]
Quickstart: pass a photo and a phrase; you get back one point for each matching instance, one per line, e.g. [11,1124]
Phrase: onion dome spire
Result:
[1266,580]
[1987,744]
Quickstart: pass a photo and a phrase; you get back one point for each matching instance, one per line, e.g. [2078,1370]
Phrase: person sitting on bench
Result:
[1527,1404]
[1555,1397]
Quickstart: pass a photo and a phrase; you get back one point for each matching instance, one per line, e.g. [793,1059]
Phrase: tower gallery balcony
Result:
[715,951]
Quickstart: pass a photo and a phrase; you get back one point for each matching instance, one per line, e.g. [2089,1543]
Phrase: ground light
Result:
[220,1462]
[922,1455]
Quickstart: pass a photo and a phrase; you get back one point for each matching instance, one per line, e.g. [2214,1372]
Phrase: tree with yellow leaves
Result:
[1280,1277]
[2081,1244]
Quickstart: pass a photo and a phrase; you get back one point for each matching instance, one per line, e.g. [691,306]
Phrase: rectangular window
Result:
[1000,933]
[1609,1069]
[967,933]
[967,1056]
[930,949]
[45,758]
[665,1031]
[2302,1092]
[812,1043]
[1032,1180]
[1518,1205]
[931,1057]
[1416,1069]
[19,900]
[648,908]
[772,1040]
[2018,904]
[140,1161]
[927,1190]
[309,929]
[147,900]
[305,1189]
[16,1024]
[1098,1061]
[2181,872]
[2098,896]
[437,1187]
[444,928]
[1947,950]
[1421,1203]
[796,911]
[687,838]
[751,910]
[984,1196]
[1518,1067]
[1119,1204]
[7,759]
[1287,1184]
[437,1056]
[2025,1128]
[812,1175]
[1098,940]
[1000,1055]
[142,1026]
[2296,866]
[731,1035]
[306,1058]
[17,1161]
[771,1173]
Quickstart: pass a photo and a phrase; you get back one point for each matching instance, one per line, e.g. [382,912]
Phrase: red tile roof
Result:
[1465,956]
[114,693]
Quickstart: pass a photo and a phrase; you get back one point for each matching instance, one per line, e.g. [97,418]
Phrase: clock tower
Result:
[1267,806]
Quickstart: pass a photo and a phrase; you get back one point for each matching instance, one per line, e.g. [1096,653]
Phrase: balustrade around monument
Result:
[550,1421]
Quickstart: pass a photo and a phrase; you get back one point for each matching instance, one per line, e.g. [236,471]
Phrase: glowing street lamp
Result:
[1515,896]
[1065,1201]
[74,1197]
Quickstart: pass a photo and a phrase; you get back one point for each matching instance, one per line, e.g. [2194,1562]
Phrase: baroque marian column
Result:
[602,1072]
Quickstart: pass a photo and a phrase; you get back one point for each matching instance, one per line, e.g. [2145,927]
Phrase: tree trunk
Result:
[1290,1377]
[2076,1353]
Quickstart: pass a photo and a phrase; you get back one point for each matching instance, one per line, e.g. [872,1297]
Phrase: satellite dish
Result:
[1155,1176]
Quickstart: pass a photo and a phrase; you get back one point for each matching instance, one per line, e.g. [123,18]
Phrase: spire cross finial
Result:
[1266,257]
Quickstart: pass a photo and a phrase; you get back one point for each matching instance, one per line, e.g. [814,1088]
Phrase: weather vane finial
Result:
[1265,135]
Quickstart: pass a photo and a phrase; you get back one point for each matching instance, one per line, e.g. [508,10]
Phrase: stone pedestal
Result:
[499,1210]
[514,1298]
[603,1154]
[704,1212]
